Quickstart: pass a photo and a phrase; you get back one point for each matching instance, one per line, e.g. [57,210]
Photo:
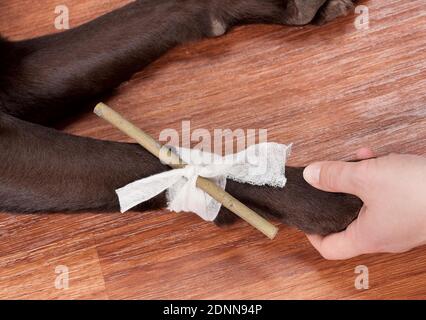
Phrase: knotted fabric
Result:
[261,164]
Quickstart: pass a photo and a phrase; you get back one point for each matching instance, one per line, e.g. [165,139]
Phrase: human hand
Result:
[393,218]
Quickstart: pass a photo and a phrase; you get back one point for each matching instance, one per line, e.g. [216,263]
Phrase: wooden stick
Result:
[174,161]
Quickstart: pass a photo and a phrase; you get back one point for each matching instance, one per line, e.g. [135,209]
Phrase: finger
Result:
[337,246]
[365,153]
[335,176]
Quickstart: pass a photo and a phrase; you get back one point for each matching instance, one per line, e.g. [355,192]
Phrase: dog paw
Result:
[301,12]
[332,10]
[297,204]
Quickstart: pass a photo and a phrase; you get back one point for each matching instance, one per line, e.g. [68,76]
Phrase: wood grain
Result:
[329,90]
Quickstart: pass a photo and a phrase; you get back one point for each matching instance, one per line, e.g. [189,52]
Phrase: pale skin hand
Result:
[393,218]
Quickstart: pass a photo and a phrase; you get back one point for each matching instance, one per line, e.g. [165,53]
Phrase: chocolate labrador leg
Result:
[46,79]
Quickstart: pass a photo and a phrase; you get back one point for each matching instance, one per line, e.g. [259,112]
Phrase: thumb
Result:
[335,176]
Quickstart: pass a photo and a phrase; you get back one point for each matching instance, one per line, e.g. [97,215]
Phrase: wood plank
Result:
[61,269]
[330,90]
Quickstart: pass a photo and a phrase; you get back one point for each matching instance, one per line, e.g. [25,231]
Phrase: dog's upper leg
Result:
[47,78]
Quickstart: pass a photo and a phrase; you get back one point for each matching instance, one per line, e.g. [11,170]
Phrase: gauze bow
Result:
[261,164]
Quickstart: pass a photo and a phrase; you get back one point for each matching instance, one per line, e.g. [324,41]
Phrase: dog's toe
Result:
[332,10]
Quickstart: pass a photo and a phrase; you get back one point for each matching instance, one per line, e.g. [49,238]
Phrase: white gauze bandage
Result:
[261,164]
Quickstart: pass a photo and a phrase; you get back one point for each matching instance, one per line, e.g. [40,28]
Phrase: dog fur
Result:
[50,78]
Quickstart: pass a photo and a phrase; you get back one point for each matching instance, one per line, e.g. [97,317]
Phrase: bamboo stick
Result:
[174,161]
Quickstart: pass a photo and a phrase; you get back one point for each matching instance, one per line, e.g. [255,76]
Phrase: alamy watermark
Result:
[62,20]
[63,277]
[362,281]
[362,21]
[220,146]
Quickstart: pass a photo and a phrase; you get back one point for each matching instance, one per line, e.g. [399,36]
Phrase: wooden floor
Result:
[329,90]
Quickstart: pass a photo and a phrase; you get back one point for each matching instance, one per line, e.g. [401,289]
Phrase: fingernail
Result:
[312,174]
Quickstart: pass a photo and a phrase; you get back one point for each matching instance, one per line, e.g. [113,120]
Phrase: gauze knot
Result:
[192,171]
[261,164]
